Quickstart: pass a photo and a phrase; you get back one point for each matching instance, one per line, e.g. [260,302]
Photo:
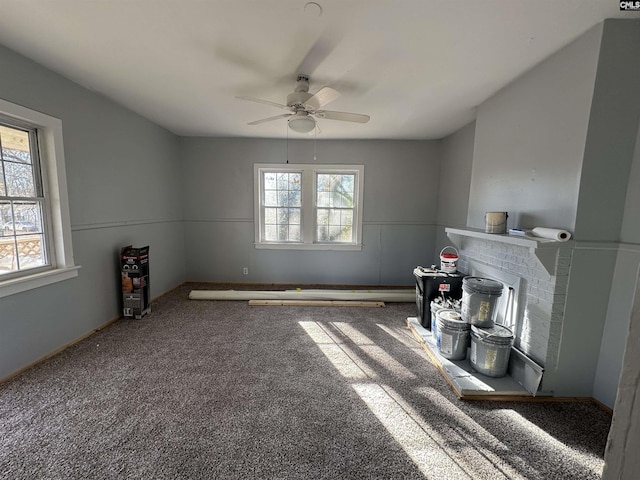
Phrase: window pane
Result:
[270,233]
[324,199]
[294,199]
[323,233]
[8,257]
[269,181]
[15,144]
[270,198]
[283,199]
[27,218]
[322,217]
[283,233]
[30,251]
[282,181]
[342,234]
[270,216]
[347,217]
[295,234]
[334,217]
[19,180]
[283,215]
[294,216]
[6,218]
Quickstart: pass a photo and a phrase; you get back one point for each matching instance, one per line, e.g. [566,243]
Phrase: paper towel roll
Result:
[551,233]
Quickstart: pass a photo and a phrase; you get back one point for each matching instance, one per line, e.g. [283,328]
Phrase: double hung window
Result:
[23,244]
[308,206]
[35,231]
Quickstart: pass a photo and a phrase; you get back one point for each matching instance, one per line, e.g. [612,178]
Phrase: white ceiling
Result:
[417,67]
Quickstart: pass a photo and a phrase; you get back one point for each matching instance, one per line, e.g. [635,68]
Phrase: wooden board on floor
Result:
[316,303]
[464,381]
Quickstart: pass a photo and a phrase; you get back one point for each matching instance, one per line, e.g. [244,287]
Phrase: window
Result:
[22,240]
[35,236]
[308,206]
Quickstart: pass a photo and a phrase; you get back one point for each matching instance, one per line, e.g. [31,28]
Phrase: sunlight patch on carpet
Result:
[419,443]
[375,352]
[588,461]
[345,360]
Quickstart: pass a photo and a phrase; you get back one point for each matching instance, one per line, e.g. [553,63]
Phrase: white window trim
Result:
[309,206]
[54,179]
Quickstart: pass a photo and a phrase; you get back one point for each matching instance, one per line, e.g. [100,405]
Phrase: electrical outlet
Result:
[245,271]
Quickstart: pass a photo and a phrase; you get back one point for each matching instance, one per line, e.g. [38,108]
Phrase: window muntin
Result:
[22,203]
[308,206]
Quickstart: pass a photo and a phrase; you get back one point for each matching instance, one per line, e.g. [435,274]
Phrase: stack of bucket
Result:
[474,325]
[490,343]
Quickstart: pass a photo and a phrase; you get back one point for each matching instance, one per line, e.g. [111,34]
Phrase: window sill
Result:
[309,246]
[22,284]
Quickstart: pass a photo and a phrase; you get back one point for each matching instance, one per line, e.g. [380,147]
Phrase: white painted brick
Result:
[542,294]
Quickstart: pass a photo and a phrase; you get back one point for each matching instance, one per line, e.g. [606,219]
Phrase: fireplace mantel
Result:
[543,249]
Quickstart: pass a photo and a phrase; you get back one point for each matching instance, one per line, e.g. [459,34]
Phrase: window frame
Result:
[56,217]
[309,207]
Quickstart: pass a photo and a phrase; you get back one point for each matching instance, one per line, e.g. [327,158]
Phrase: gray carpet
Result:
[208,390]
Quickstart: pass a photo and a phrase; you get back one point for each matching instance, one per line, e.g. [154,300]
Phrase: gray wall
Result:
[123,186]
[608,204]
[623,288]
[530,138]
[399,212]
[611,137]
[454,184]
[621,455]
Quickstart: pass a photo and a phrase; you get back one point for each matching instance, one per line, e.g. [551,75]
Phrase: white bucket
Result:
[480,298]
[496,222]
[491,349]
[452,338]
[448,261]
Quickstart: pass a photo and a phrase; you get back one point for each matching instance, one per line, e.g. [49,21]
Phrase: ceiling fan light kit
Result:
[301,122]
[305,107]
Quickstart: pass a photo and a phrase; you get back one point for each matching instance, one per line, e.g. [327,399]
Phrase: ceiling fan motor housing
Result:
[301,94]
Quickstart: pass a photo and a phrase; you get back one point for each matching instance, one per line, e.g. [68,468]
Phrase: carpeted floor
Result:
[224,390]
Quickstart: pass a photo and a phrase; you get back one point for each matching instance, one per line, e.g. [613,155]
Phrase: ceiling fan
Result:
[304,107]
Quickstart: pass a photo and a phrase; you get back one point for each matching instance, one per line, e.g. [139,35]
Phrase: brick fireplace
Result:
[535,273]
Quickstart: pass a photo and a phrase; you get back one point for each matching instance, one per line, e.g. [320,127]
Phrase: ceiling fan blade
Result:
[276,117]
[344,116]
[259,100]
[321,98]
